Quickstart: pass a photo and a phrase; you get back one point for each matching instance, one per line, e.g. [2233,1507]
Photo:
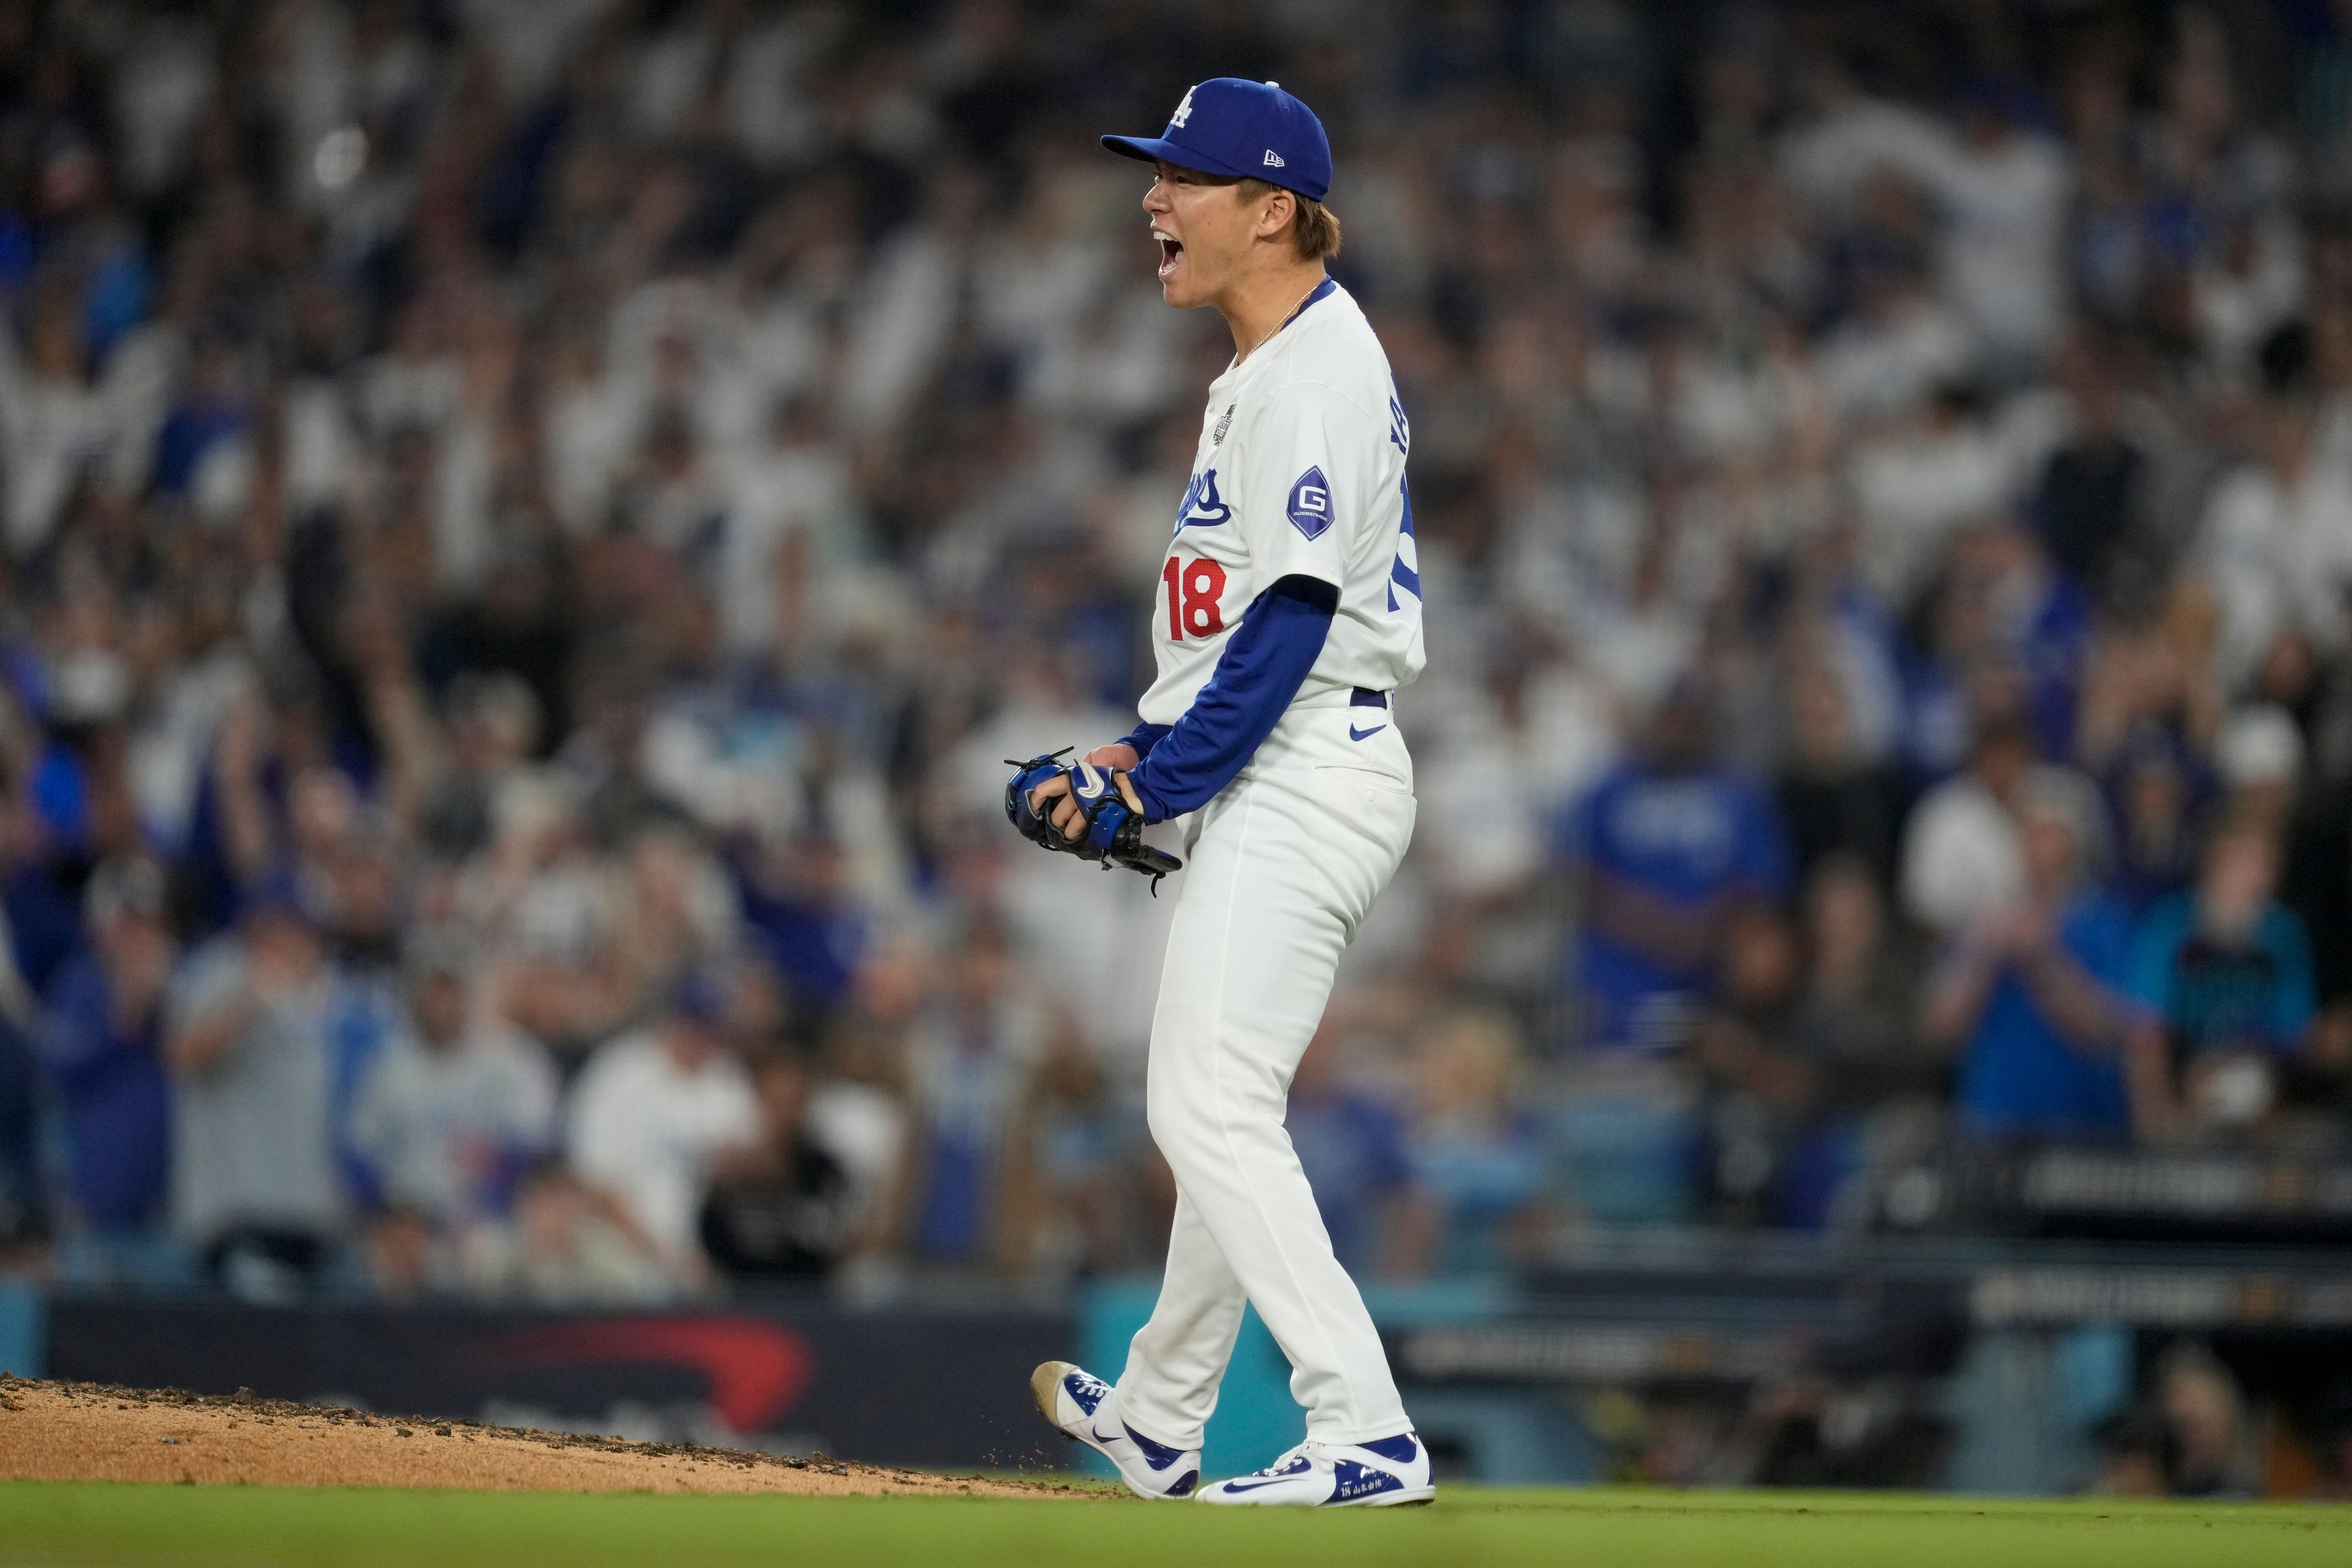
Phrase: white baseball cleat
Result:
[1086,1409]
[1385,1473]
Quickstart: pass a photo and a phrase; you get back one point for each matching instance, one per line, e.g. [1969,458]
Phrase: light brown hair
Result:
[1314,228]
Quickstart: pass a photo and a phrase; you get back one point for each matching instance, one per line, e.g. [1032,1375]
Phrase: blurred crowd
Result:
[531,527]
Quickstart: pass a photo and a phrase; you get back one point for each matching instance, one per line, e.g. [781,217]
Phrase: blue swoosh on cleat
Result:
[1159,1455]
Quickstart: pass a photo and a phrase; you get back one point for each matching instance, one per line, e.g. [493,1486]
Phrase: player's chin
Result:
[1179,290]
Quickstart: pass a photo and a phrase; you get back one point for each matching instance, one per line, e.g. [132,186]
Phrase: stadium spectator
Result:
[38,856]
[1071,1184]
[2223,975]
[102,1046]
[1960,851]
[2091,506]
[459,1105]
[971,1058]
[2028,993]
[1836,799]
[796,904]
[2158,795]
[858,1110]
[1761,1091]
[657,1112]
[255,1184]
[2271,546]
[1819,1072]
[1855,1027]
[2208,1449]
[1881,1083]
[1478,1157]
[1351,1144]
[1670,846]
[565,1244]
[781,1208]
[2259,756]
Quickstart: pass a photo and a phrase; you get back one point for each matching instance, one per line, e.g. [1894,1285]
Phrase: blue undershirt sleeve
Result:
[1145,736]
[1261,670]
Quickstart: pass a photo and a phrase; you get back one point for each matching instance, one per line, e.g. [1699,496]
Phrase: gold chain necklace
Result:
[1285,320]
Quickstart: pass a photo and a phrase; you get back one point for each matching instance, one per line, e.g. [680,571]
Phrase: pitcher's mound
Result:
[88,1432]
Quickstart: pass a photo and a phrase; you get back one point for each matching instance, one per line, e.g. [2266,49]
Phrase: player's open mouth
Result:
[1169,249]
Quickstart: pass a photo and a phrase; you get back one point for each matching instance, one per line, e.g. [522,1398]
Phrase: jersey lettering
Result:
[1202,506]
[1406,572]
[1195,586]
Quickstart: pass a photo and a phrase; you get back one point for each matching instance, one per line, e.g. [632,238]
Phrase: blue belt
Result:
[1365,696]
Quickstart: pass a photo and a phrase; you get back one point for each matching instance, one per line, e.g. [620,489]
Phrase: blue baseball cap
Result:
[1244,129]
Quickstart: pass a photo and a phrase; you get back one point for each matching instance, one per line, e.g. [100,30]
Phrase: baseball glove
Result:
[1114,834]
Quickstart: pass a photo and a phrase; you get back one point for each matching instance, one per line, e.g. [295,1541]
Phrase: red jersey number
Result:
[1195,586]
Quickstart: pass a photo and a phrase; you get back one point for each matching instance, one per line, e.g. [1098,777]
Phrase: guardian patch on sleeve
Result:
[1310,503]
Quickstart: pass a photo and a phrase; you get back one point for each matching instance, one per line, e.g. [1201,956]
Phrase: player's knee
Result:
[1163,1116]
[1194,1124]
[1182,1127]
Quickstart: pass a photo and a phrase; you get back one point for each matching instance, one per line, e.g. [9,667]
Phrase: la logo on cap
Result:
[1183,111]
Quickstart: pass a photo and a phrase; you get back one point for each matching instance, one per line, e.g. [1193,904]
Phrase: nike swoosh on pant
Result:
[1356,734]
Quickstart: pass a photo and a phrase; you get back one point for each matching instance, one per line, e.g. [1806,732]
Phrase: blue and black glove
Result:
[1114,834]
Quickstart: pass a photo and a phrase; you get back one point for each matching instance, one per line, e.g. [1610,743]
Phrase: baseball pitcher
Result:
[1289,613]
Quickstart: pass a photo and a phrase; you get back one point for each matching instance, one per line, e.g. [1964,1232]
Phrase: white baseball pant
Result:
[1282,867]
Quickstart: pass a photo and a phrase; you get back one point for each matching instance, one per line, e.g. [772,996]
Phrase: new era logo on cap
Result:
[1241,130]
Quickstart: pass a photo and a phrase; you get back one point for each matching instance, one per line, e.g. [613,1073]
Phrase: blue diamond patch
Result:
[1310,503]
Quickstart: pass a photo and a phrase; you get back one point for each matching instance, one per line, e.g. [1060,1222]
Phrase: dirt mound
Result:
[84,1431]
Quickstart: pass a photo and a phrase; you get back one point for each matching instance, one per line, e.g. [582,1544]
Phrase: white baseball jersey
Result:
[1300,471]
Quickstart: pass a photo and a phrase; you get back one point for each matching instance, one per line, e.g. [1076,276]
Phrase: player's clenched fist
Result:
[1087,809]
[1067,815]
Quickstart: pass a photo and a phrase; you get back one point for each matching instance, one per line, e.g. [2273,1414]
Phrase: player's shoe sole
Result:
[1045,1382]
[1421,1498]
[1082,1408]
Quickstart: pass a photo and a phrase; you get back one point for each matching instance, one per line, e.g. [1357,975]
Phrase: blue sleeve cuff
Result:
[1261,670]
[1145,736]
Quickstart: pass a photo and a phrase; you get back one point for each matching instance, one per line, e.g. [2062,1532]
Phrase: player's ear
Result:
[1276,213]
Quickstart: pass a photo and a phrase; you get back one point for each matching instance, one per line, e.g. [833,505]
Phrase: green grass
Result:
[70,1525]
